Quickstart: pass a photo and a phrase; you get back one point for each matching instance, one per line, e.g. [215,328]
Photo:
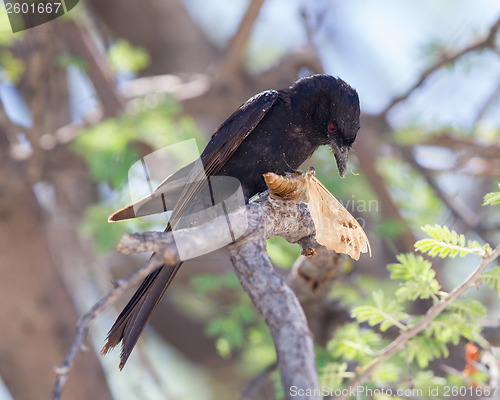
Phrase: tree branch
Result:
[311,279]
[250,392]
[433,312]
[458,208]
[107,301]
[234,56]
[273,298]
[487,42]
[275,301]
[80,44]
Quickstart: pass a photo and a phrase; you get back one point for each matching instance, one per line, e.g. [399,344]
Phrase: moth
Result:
[336,228]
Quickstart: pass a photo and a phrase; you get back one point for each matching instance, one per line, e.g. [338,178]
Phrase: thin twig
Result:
[487,42]
[432,313]
[84,321]
[490,101]
[467,146]
[250,392]
[259,220]
[80,43]
[458,208]
[367,150]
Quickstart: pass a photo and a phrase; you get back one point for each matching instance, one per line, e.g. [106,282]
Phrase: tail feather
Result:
[164,198]
[116,333]
[155,203]
[134,317]
[125,213]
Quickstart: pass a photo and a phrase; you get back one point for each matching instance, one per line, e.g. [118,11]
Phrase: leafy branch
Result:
[417,276]
[405,336]
[449,319]
[444,242]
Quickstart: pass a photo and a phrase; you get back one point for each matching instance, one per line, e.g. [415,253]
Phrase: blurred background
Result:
[85,96]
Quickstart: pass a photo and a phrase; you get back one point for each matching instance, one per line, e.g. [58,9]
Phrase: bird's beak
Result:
[341,153]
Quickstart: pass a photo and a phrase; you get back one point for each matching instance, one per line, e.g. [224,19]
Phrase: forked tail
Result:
[134,317]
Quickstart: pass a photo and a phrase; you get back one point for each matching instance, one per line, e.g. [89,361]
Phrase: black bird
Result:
[274,131]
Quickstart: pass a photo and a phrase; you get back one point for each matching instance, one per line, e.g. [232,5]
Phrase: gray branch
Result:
[275,300]
[311,280]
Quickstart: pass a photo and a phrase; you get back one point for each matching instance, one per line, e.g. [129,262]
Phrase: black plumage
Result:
[274,131]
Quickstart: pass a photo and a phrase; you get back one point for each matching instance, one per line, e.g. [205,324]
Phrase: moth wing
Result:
[336,228]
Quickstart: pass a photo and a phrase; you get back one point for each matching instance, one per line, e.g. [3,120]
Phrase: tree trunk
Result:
[35,307]
[164,28]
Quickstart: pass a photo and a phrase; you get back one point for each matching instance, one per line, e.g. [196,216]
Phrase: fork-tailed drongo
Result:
[274,131]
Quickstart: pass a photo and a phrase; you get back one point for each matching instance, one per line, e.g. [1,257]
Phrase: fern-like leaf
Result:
[492,198]
[449,327]
[353,343]
[418,278]
[491,278]
[444,242]
[385,312]
[424,349]
[470,308]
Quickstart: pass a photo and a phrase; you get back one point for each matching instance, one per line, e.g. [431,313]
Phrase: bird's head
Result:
[336,116]
[343,121]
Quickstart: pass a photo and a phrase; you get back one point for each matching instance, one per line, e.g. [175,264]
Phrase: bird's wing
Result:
[223,143]
[235,129]
[164,197]
[177,191]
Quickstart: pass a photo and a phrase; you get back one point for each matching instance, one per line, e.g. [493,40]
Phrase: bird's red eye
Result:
[332,128]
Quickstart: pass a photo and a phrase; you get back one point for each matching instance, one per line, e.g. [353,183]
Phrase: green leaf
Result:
[387,372]
[446,328]
[491,278]
[424,349]
[444,242]
[418,278]
[207,283]
[352,343]
[470,308]
[461,321]
[333,374]
[386,312]
[13,67]
[492,198]
[125,57]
